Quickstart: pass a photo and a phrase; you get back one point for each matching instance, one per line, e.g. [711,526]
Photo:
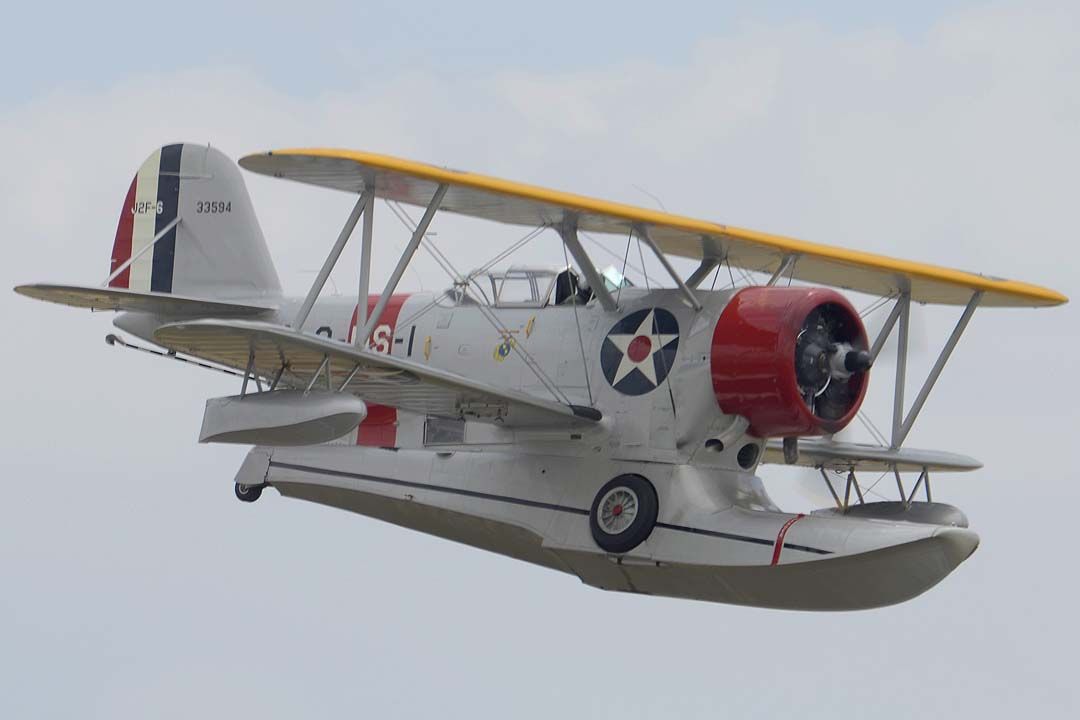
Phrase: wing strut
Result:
[886,329]
[324,365]
[568,233]
[832,490]
[331,260]
[924,477]
[904,303]
[365,267]
[365,207]
[403,262]
[708,264]
[642,232]
[901,423]
[787,264]
[935,372]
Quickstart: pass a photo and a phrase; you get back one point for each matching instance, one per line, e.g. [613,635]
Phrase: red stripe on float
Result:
[779,546]
[121,251]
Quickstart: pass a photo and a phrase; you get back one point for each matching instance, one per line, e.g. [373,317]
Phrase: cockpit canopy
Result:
[530,287]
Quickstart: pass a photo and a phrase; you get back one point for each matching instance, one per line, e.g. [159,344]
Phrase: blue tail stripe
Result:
[168,194]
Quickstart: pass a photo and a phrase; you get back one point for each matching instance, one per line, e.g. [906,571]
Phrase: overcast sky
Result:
[133,584]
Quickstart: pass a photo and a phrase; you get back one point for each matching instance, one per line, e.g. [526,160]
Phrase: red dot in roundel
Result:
[639,348]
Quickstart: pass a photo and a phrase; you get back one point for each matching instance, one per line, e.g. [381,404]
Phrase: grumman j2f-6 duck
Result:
[560,416]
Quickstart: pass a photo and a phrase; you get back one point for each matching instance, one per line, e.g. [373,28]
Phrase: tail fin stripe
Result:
[216,253]
[144,221]
[168,195]
[122,244]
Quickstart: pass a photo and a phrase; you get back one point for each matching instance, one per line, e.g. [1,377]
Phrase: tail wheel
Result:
[248,493]
[623,513]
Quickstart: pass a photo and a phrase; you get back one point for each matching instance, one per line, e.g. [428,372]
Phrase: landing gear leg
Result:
[248,493]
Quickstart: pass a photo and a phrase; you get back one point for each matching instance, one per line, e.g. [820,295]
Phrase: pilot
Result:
[569,289]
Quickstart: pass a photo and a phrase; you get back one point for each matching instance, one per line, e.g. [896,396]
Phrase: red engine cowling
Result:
[792,361]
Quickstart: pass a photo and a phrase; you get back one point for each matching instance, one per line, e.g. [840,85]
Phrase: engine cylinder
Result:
[792,361]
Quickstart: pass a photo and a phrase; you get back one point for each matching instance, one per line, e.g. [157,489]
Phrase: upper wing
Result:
[491,198]
[374,377]
[105,298]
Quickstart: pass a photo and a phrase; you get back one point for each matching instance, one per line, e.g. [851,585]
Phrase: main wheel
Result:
[623,513]
[248,493]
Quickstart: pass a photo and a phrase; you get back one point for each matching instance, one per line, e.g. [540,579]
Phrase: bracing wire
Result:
[641,255]
[440,259]
[868,490]
[455,276]
[605,249]
[667,372]
[626,256]
[407,221]
[874,306]
[871,427]
[507,252]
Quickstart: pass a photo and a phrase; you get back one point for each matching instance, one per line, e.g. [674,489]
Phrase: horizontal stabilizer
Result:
[104,298]
[832,455]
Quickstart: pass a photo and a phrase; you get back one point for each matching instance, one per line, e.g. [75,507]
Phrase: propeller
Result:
[827,363]
[807,481]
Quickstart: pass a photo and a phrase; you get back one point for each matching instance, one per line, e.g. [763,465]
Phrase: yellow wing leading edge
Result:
[505,201]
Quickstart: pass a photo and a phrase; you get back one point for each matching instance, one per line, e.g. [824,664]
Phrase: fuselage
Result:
[527,494]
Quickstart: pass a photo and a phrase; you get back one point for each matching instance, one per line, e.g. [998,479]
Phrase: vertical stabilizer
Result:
[216,250]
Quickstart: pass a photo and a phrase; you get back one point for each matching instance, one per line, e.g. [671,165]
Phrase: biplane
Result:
[560,415]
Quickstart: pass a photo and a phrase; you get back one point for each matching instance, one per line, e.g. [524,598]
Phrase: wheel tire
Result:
[247,493]
[608,515]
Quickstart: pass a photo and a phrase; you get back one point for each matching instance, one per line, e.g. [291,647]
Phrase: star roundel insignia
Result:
[639,351]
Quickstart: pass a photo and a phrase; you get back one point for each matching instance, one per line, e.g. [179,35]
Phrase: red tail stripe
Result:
[122,244]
